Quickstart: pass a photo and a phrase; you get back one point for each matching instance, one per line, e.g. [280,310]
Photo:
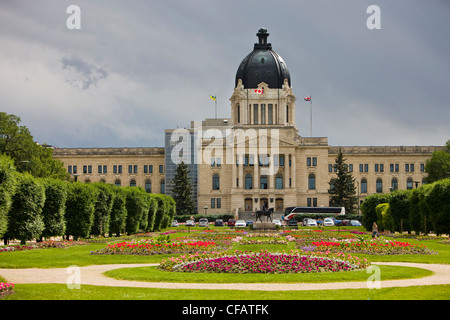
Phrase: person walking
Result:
[374,230]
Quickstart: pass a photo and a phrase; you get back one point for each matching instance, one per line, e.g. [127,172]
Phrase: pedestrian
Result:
[374,230]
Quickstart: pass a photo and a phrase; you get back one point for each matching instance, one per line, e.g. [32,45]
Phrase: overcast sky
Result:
[136,68]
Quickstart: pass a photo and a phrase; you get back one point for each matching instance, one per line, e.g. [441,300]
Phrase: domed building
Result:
[256,158]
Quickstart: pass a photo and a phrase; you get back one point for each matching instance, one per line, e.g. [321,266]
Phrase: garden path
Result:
[93,275]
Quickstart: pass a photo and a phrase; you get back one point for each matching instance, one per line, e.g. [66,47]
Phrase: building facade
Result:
[256,158]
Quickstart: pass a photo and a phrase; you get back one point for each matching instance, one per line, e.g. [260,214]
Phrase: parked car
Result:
[355,223]
[231,222]
[292,223]
[174,223]
[240,224]
[249,222]
[277,222]
[190,223]
[328,222]
[311,223]
[203,222]
[218,223]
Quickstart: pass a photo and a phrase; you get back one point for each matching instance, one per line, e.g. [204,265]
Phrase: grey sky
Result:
[136,68]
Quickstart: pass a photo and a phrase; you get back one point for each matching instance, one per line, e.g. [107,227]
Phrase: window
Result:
[407,167]
[394,184]
[363,186]
[263,113]
[264,184]
[215,182]
[422,167]
[238,114]
[115,168]
[75,169]
[279,181]
[219,203]
[161,168]
[130,168]
[409,184]
[248,182]
[255,114]
[270,111]
[219,162]
[311,182]
[213,162]
[330,168]
[366,168]
[350,168]
[314,161]
[287,114]
[145,168]
[163,186]
[133,183]
[117,183]
[379,186]
[308,162]
[213,203]
[281,161]
[148,186]
[376,167]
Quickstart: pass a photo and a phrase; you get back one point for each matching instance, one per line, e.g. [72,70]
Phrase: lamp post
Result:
[206,208]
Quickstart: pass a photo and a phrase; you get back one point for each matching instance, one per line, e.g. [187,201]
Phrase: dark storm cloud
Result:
[82,74]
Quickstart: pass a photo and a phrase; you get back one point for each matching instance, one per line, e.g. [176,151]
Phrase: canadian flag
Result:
[259,91]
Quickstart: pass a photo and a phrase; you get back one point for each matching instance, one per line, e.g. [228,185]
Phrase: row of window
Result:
[394,184]
[216,203]
[117,169]
[264,160]
[379,167]
[147,187]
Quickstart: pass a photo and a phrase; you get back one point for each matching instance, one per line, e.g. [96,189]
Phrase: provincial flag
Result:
[213,97]
[259,91]
[307,98]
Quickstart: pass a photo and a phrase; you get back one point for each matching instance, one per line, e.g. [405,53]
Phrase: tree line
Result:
[37,208]
[421,210]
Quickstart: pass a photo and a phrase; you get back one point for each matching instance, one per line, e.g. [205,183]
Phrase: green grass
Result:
[61,292]
[152,274]
[80,256]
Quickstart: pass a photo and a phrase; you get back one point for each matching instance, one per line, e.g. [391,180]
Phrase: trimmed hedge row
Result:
[421,210]
[35,208]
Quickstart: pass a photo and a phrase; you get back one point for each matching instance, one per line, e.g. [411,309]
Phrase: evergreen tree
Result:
[182,190]
[342,188]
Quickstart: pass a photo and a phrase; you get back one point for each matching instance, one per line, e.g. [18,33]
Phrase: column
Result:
[287,168]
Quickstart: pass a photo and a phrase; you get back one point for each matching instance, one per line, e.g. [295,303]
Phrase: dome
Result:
[262,65]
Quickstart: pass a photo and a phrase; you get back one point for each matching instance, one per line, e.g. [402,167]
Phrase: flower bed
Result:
[379,247]
[41,245]
[152,247]
[6,288]
[264,262]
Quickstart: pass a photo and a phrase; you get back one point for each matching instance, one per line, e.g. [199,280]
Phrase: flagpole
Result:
[215,102]
[310,116]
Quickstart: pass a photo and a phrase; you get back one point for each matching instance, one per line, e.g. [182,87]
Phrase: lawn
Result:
[81,256]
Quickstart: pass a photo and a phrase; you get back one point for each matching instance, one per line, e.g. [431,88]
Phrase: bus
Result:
[290,212]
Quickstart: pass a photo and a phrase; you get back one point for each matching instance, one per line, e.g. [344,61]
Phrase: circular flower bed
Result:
[6,289]
[263,262]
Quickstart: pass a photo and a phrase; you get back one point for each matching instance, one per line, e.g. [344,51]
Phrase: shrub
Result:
[160,212]
[25,220]
[368,208]
[439,204]
[399,206]
[54,207]
[7,189]
[103,207]
[152,208]
[118,212]
[415,214]
[384,217]
[137,207]
[80,206]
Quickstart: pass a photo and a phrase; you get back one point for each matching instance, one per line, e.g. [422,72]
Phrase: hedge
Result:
[80,207]
[7,189]
[118,216]
[25,221]
[54,207]
[103,207]
[137,208]
[368,208]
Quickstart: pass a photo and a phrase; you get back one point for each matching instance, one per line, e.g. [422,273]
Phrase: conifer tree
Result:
[182,190]
[342,188]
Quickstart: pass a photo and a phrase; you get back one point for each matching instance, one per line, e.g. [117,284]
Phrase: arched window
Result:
[117,183]
[311,182]
[133,183]
[394,184]
[264,184]
[279,181]
[148,186]
[215,182]
[363,186]
[379,186]
[163,186]
[248,182]
[409,184]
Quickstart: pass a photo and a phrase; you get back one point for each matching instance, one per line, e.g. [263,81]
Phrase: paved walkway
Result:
[93,275]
